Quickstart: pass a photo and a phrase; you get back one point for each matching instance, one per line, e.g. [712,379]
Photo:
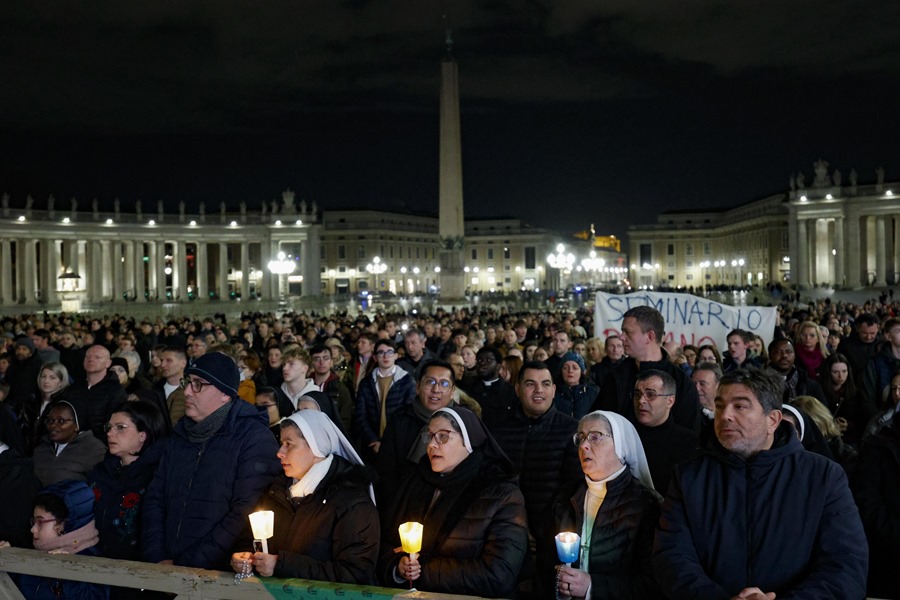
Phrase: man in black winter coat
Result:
[756,516]
[99,394]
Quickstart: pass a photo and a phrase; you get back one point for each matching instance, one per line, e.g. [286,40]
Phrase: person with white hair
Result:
[326,524]
[614,510]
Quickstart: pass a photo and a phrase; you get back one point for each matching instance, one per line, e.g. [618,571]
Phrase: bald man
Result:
[96,396]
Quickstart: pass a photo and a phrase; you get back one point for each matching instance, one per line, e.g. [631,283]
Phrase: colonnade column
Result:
[265,283]
[890,266]
[839,277]
[852,243]
[49,270]
[6,273]
[129,284]
[179,272]
[880,253]
[245,271]
[223,271]
[118,271]
[139,270]
[309,263]
[161,270]
[29,266]
[802,253]
[200,258]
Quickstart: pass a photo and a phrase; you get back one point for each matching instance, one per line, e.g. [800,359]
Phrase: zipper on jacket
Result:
[748,581]
[187,495]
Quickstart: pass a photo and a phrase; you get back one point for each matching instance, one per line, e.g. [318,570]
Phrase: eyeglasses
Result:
[196,385]
[387,352]
[650,395]
[118,427]
[485,359]
[48,421]
[431,382]
[34,521]
[441,437]
[593,437]
[320,359]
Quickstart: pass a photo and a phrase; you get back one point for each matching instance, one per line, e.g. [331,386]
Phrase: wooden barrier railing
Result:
[186,583]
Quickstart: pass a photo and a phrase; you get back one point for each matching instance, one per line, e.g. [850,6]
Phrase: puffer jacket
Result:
[34,587]
[878,374]
[475,546]
[621,539]
[330,535]
[197,505]
[367,414]
[542,452]
[783,521]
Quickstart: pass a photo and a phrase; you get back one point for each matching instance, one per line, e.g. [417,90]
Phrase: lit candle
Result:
[411,538]
[567,546]
[263,524]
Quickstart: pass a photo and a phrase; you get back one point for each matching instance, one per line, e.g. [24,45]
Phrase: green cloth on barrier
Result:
[292,589]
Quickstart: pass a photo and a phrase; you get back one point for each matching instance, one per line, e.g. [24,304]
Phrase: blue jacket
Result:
[783,521]
[196,508]
[34,587]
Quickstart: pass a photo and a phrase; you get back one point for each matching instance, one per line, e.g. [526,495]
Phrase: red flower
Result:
[97,493]
[130,500]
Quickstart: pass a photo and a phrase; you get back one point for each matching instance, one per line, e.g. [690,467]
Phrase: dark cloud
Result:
[566,103]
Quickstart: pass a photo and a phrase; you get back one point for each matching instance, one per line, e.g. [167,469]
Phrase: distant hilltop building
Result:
[824,230]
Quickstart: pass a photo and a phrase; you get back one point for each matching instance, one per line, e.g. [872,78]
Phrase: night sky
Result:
[572,111]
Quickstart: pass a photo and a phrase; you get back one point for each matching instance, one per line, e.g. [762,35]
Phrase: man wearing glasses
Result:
[219,461]
[756,516]
[665,442]
[401,447]
[385,391]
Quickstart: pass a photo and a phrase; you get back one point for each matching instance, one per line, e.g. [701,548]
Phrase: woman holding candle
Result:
[464,494]
[615,512]
[326,524]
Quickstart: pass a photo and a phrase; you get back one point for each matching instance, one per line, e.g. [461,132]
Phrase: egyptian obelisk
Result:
[451,223]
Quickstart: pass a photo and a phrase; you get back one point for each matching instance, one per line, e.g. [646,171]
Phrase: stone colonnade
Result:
[46,261]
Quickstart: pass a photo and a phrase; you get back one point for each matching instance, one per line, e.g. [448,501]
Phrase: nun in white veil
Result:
[614,511]
[326,524]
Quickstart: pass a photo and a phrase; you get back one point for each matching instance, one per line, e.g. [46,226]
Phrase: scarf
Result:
[73,541]
[307,484]
[199,433]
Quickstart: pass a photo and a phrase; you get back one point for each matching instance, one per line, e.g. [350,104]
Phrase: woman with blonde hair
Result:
[594,352]
[810,348]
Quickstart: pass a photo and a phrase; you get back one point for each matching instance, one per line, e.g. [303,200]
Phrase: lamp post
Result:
[561,261]
[739,265]
[593,265]
[704,266]
[376,268]
[282,267]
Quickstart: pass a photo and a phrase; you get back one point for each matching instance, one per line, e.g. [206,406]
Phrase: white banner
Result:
[689,319]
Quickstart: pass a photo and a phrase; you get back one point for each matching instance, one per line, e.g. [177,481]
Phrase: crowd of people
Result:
[756,470]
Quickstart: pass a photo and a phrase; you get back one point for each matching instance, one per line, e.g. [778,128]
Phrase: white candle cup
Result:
[262,523]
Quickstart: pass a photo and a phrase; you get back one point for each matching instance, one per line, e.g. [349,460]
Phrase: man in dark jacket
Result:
[665,442]
[538,439]
[861,345]
[879,371]
[643,328]
[756,514]
[615,354]
[219,461]
[99,393]
[22,375]
[496,397]
[781,360]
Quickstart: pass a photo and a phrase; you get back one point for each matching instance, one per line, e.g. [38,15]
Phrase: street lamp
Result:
[562,261]
[593,265]
[376,268]
[282,267]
